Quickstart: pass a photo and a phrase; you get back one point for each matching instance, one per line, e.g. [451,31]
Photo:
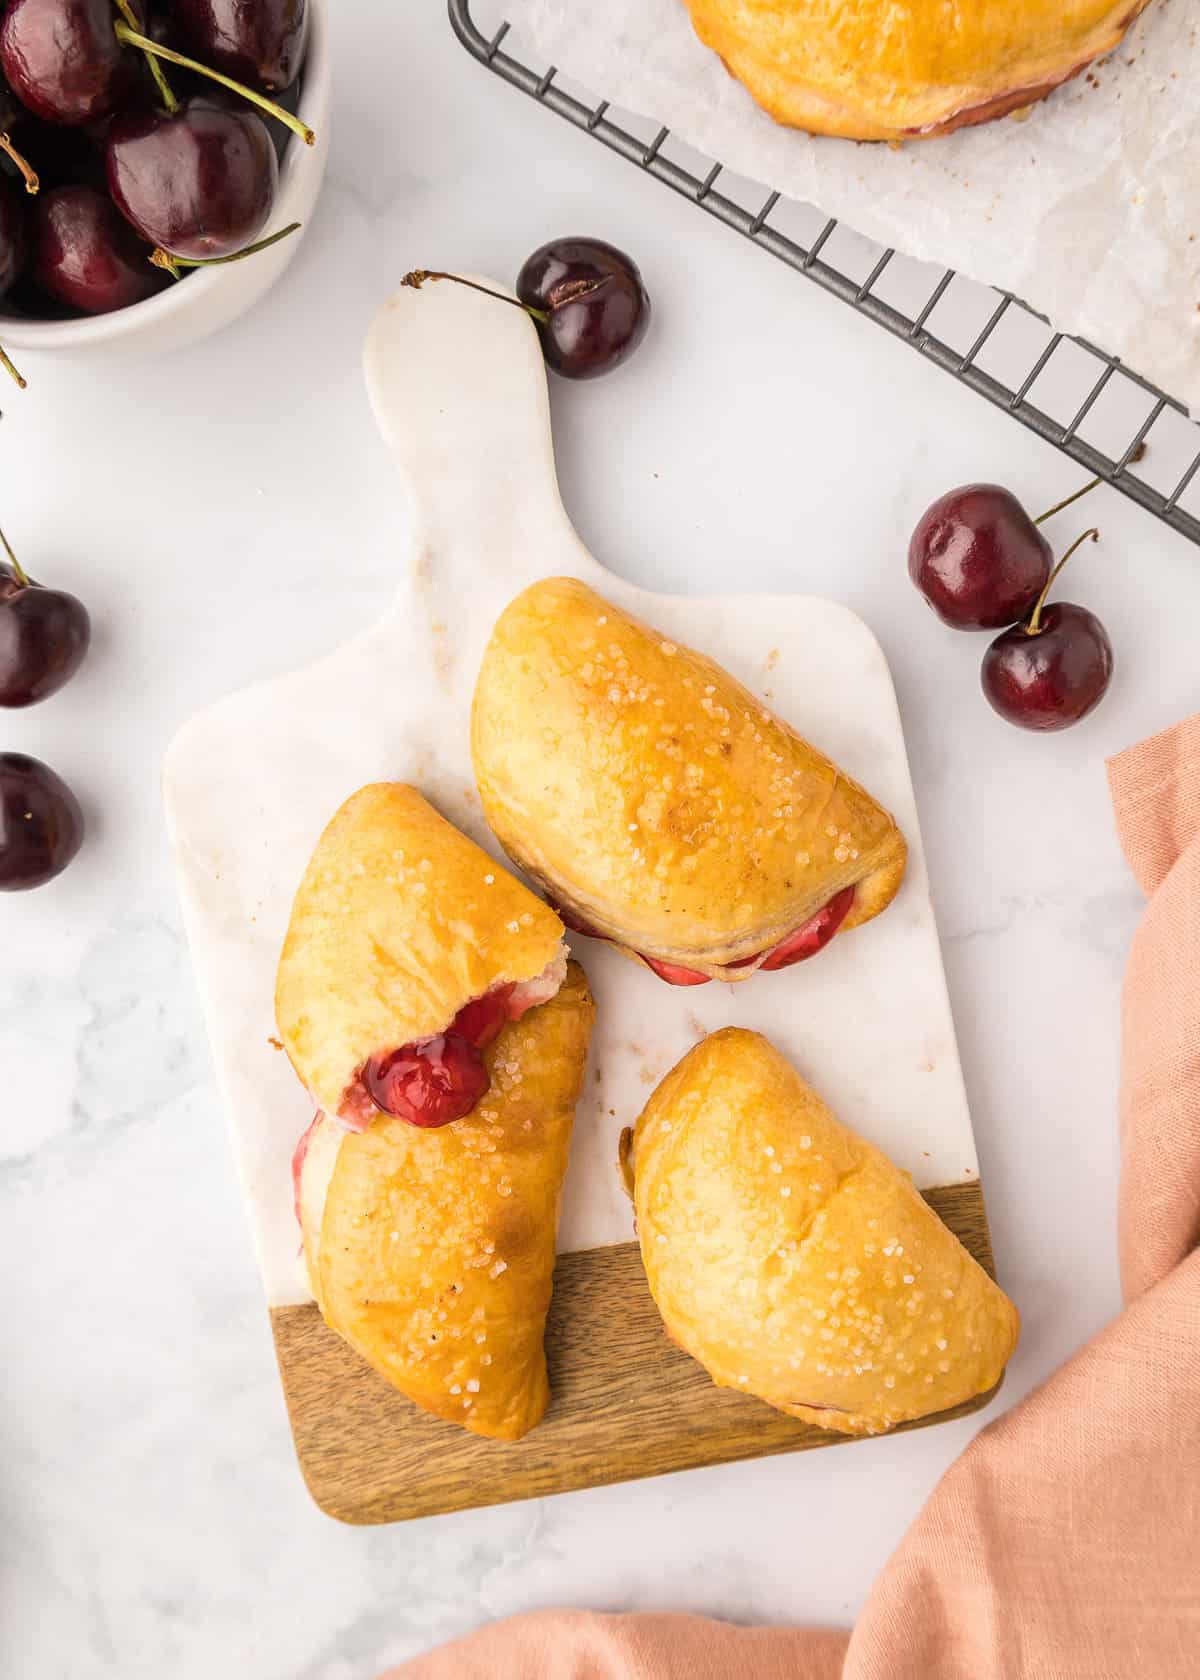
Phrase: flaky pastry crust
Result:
[793,1260]
[906,69]
[432,1252]
[655,798]
[399,921]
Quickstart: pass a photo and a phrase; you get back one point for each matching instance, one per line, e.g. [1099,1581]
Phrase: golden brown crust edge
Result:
[435,1250]
[794,1261]
[654,797]
[794,105]
[399,921]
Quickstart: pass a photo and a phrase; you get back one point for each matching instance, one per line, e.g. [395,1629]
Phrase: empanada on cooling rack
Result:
[906,69]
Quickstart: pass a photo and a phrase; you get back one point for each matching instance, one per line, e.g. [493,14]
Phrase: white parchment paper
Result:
[1088,208]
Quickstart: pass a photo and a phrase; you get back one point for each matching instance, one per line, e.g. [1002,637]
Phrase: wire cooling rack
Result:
[1075,395]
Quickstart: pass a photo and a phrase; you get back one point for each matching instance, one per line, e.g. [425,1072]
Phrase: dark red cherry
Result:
[41,825]
[287,99]
[86,255]
[589,303]
[199,182]
[62,59]
[978,558]
[1051,677]
[44,635]
[428,1084]
[1054,669]
[256,41]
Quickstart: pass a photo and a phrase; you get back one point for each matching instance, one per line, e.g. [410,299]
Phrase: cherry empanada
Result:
[793,1260]
[408,950]
[660,805]
[906,69]
[432,1251]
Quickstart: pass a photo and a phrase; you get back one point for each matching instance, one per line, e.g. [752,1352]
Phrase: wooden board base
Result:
[626,1402]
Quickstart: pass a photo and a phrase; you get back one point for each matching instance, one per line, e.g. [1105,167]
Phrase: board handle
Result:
[458,387]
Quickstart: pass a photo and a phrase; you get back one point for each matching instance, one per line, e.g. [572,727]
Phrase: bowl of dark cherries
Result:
[158,159]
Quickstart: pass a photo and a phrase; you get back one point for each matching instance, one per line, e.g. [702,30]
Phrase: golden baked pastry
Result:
[905,69]
[659,803]
[793,1260]
[407,950]
[432,1252]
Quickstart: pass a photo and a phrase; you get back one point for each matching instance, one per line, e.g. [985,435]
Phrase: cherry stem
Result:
[1034,627]
[13,373]
[28,172]
[1041,519]
[167,259]
[131,38]
[1066,502]
[156,70]
[418,276]
[19,572]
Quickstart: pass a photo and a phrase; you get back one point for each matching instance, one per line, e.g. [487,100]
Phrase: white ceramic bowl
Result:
[209,298]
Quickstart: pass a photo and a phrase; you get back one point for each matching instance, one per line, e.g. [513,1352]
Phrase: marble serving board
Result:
[458,386]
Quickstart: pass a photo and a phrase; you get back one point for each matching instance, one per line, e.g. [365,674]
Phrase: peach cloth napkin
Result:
[1065,1543]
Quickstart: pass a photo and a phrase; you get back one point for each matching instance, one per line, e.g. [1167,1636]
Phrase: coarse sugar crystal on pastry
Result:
[906,69]
[659,803]
[408,950]
[793,1260]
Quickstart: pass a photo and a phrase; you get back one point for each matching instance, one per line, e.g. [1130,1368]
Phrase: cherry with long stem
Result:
[131,38]
[1034,626]
[173,264]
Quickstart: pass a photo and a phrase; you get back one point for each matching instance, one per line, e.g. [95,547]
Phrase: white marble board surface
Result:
[458,387]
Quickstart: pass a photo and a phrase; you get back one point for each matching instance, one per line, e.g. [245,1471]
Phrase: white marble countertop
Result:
[230,512]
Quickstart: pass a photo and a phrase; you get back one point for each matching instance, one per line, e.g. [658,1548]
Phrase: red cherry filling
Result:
[814,935]
[574,922]
[428,1084]
[441,1079]
[481,1021]
[674,975]
[804,942]
[298,1163]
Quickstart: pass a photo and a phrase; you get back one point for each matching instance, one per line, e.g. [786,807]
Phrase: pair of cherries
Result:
[44,636]
[982,563]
